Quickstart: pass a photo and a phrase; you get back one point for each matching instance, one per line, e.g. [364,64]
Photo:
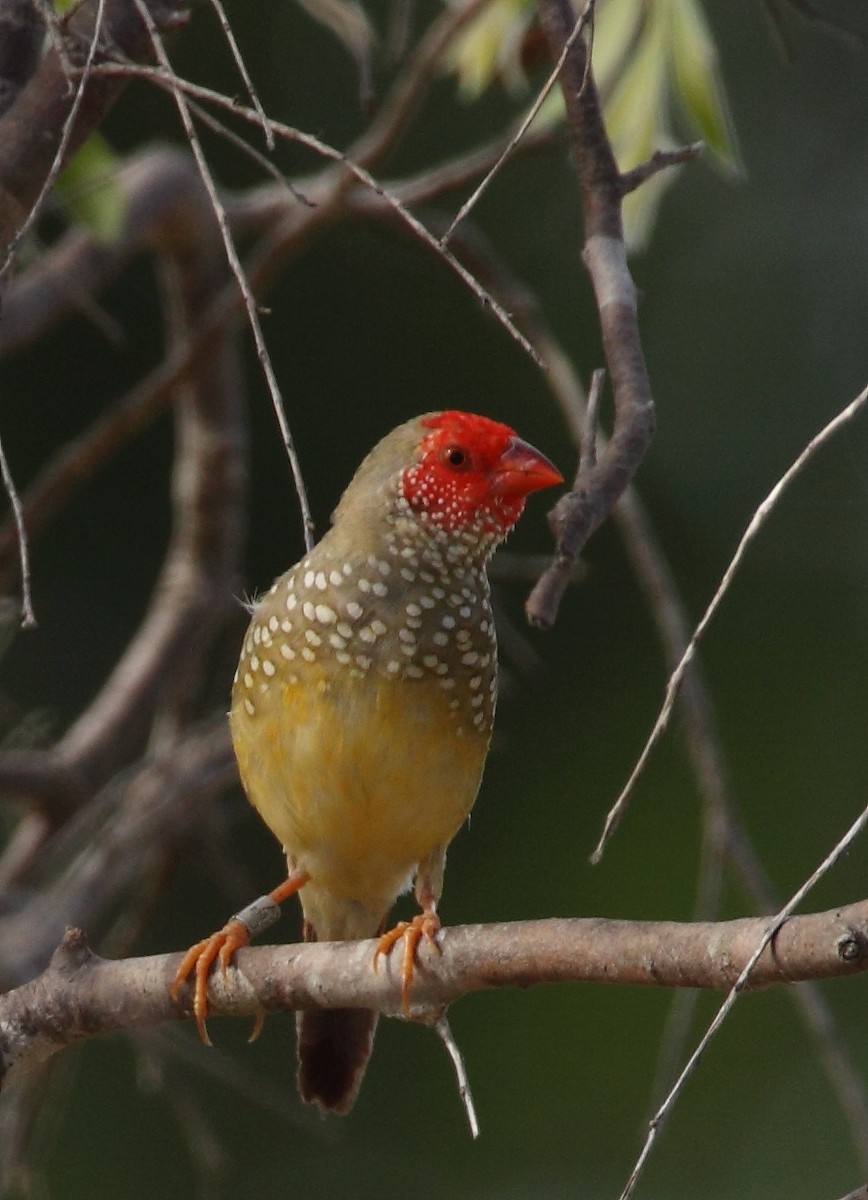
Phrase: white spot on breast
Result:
[343,658]
[257,635]
[464,612]
[312,638]
[469,658]
[307,654]
[354,609]
[268,667]
[413,610]
[430,660]
[309,610]
[325,615]
[347,569]
[337,641]
[363,661]
[440,638]
[476,681]
[309,577]
[321,581]
[364,585]
[384,568]
[345,630]
[291,601]
[254,663]
[379,589]
[393,666]
[408,636]
[249,707]
[407,574]
[248,680]
[447,622]
[287,652]
[447,683]
[367,635]
[378,627]
[426,601]
[413,671]
[335,578]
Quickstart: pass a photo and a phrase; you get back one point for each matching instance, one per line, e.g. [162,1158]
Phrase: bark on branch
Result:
[81,995]
[597,485]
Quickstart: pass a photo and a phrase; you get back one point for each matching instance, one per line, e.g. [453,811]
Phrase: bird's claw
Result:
[198,961]
[425,925]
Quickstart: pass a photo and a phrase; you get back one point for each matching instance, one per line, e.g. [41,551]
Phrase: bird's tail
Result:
[334,1046]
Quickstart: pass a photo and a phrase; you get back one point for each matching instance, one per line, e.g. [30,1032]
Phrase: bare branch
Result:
[81,995]
[580,512]
[661,160]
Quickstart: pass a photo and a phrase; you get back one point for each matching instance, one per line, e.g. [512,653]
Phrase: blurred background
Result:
[753,312]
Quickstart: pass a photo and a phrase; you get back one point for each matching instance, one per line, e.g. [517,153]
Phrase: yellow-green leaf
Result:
[89,188]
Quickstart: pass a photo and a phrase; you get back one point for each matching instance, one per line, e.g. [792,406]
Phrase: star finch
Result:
[363,703]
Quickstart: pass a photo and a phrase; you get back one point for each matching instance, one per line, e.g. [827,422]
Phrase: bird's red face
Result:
[473,473]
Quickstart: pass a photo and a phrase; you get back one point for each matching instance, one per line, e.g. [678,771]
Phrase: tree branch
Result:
[81,995]
[596,488]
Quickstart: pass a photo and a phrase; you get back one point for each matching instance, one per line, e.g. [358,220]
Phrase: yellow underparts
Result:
[361,780]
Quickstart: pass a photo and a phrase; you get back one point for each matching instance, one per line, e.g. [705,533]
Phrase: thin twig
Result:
[756,523]
[444,1032]
[237,270]
[363,176]
[469,204]
[242,70]
[250,152]
[738,987]
[28,616]
[660,160]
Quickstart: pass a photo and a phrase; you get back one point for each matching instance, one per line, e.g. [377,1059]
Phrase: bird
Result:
[363,704]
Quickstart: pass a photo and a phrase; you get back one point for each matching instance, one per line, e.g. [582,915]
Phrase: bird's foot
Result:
[425,925]
[222,945]
[198,962]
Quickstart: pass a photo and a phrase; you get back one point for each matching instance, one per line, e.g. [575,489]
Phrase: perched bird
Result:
[363,702]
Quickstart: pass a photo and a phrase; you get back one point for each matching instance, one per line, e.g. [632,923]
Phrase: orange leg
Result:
[424,925]
[223,945]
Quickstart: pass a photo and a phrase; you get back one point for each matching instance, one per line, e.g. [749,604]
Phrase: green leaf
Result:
[90,191]
[698,83]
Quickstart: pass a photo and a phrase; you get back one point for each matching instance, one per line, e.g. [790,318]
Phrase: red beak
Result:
[521,469]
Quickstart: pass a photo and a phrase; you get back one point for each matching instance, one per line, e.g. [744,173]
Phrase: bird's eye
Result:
[455,457]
